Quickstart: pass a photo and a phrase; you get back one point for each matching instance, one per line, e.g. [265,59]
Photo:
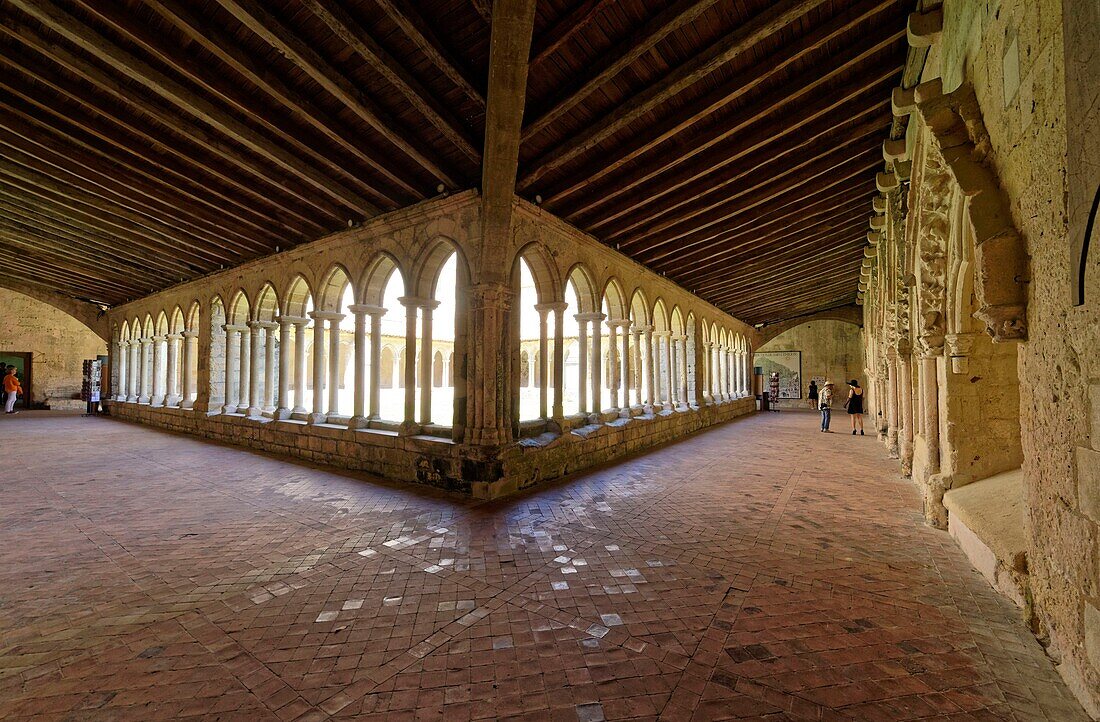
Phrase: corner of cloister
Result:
[448,335]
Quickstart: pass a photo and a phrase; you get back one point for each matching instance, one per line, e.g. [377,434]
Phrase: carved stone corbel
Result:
[1001,261]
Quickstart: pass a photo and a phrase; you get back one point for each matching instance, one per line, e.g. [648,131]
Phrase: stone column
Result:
[905,391]
[232,362]
[582,361]
[612,371]
[300,365]
[489,422]
[597,363]
[283,402]
[244,387]
[408,424]
[172,396]
[255,356]
[958,348]
[187,375]
[664,353]
[334,320]
[892,402]
[146,388]
[650,371]
[559,359]
[134,380]
[624,368]
[427,358]
[376,314]
[682,376]
[544,390]
[318,416]
[267,402]
[931,392]
[123,377]
[358,418]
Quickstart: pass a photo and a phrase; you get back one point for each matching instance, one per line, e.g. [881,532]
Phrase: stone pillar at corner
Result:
[487,421]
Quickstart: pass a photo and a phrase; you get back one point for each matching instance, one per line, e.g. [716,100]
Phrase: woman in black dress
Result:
[813,394]
[854,405]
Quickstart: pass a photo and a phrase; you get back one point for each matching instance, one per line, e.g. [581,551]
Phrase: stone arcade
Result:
[460,306]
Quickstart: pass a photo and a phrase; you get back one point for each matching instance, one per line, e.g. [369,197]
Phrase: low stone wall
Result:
[439,462]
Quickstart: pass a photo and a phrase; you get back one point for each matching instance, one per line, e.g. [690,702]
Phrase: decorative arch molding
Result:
[88,314]
[1001,262]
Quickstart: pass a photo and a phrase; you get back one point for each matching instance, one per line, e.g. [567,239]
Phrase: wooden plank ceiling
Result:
[729,144]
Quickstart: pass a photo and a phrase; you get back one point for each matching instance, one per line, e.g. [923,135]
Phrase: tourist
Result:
[773,388]
[854,405]
[825,405]
[12,388]
[813,394]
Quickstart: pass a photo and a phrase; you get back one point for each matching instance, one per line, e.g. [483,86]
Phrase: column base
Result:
[122,397]
[625,413]
[172,401]
[408,428]
[315,418]
[255,412]
[648,409]
[157,401]
[358,422]
[143,399]
[282,414]
[187,404]
[229,408]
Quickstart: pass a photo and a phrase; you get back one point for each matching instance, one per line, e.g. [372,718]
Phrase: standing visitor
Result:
[826,405]
[773,389]
[12,388]
[813,394]
[854,404]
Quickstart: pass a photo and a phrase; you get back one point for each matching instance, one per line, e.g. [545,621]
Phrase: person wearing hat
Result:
[854,405]
[825,405]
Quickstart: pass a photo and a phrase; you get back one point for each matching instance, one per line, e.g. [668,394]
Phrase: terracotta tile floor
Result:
[760,570]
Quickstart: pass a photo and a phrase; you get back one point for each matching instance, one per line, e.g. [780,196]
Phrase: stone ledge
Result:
[986,518]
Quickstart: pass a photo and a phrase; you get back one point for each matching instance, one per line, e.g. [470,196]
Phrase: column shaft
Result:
[300,367]
[376,364]
[255,358]
[334,366]
[318,415]
[582,364]
[172,395]
[232,349]
[559,362]
[544,389]
[269,368]
[190,339]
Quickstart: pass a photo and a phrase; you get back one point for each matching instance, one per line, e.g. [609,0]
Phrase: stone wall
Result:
[58,342]
[833,349]
[1024,162]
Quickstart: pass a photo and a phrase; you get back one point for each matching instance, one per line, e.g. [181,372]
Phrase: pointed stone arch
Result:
[585,288]
[267,304]
[614,298]
[330,293]
[298,297]
[372,287]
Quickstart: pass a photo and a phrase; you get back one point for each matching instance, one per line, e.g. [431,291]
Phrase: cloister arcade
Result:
[374,336]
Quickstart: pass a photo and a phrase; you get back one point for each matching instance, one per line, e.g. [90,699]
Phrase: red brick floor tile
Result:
[754,571]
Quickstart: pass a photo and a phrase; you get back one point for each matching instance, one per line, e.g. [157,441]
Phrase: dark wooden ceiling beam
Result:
[79,264]
[606,67]
[254,16]
[345,27]
[828,172]
[29,180]
[754,172]
[577,19]
[805,87]
[484,8]
[62,168]
[798,300]
[43,265]
[267,194]
[780,212]
[45,191]
[56,233]
[725,50]
[783,272]
[230,92]
[222,45]
[405,16]
[137,70]
[699,263]
[17,280]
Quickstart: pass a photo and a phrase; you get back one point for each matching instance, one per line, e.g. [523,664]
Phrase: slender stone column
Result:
[334,363]
[597,363]
[318,416]
[892,402]
[662,362]
[582,362]
[358,418]
[232,362]
[427,359]
[931,411]
[684,401]
[410,304]
[544,390]
[255,357]
[905,443]
[612,370]
[172,395]
[650,371]
[123,376]
[282,401]
[300,365]
[559,358]
[624,368]
[244,387]
[134,382]
[187,384]
[146,389]
[267,400]
[376,314]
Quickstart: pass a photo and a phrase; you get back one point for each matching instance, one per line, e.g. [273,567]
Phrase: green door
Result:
[22,364]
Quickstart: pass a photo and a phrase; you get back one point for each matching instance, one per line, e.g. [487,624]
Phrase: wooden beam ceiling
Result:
[730,146]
